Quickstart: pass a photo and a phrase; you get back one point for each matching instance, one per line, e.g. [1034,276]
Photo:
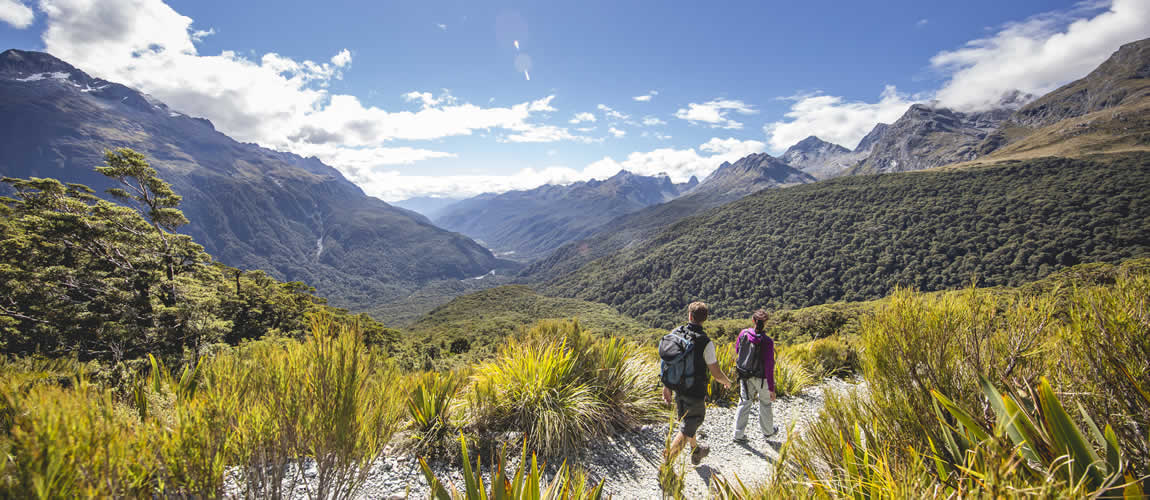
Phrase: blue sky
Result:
[431,98]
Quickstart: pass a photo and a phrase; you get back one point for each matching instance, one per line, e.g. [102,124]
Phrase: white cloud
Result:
[582,117]
[276,101]
[611,113]
[543,133]
[1039,54]
[651,121]
[441,26]
[834,119]
[199,35]
[1036,55]
[922,22]
[342,59]
[714,113]
[646,97]
[678,164]
[15,13]
[616,132]
[429,100]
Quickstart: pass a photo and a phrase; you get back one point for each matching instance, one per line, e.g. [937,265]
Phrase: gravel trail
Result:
[629,462]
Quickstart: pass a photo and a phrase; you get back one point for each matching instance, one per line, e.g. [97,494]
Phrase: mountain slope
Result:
[927,136]
[728,183]
[527,224]
[1106,111]
[250,207]
[472,327]
[854,238]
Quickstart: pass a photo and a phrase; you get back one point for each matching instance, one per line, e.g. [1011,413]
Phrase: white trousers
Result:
[750,391]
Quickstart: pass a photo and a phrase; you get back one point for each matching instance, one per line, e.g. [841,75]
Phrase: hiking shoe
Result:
[699,453]
[740,440]
[774,432]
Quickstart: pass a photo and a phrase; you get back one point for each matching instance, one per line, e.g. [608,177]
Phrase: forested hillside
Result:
[856,238]
[85,278]
[727,183]
[472,327]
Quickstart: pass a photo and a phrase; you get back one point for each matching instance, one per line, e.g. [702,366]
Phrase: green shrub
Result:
[430,406]
[826,357]
[561,387]
[790,376]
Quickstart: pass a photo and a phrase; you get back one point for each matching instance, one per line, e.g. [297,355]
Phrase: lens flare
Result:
[517,45]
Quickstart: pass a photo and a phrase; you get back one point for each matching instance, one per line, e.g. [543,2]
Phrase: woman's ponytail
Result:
[760,319]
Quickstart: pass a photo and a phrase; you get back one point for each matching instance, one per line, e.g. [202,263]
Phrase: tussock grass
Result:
[561,387]
[258,407]
[988,393]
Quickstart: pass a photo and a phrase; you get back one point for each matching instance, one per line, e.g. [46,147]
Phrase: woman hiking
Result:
[755,352]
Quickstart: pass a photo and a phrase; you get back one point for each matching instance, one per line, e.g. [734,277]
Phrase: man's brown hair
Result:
[698,312]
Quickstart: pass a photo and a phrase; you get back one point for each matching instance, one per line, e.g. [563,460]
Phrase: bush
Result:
[263,406]
[560,387]
[934,423]
[827,357]
[790,376]
[430,405]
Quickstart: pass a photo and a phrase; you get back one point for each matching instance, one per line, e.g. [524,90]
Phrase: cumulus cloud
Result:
[646,97]
[834,119]
[582,117]
[273,100]
[616,132]
[651,121]
[342,59]
[922,22]
[1039,54]
[441,26]
[678,164]
[715,113]
[15,13]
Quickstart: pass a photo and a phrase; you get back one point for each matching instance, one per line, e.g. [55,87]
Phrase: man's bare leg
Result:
[677,445]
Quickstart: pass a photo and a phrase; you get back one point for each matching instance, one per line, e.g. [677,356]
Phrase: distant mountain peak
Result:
[813,143]
[819,158]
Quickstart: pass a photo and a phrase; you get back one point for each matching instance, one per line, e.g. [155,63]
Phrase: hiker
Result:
[755,354]
[689,360]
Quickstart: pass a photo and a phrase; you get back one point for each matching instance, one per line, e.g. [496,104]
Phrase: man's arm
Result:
[719,375]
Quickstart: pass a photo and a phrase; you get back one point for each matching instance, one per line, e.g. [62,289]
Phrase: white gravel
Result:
[629,462]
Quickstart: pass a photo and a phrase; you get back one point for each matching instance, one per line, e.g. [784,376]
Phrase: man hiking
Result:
[688,361]
[755,354]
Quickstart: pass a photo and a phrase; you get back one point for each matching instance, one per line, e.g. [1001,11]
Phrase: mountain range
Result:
[727,183]
[527,224]
[1060,180]
[251,207]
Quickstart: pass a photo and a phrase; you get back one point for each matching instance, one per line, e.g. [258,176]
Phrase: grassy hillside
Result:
[857,238]
[472,327]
